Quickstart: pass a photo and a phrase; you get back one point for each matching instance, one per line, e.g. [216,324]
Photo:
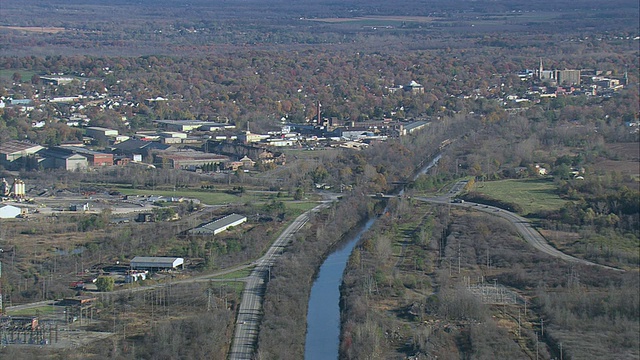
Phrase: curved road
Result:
[530,235]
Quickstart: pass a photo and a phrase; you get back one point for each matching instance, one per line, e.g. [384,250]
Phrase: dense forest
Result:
[261,88]
[205,27]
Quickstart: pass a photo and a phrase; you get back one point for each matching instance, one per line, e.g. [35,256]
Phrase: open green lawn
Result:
[221,197]
[45,309]
[8,74]
[298,207]
[533,195]
[237,274]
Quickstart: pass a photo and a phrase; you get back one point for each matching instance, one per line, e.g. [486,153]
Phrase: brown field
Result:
[631,168]
[626,151]
[43,29]
[628,163]
[422,19]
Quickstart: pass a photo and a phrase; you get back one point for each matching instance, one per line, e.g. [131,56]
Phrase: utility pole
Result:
[518,322]
[442,244]
[459,241]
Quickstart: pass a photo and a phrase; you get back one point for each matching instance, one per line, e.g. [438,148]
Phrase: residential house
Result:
[414,88]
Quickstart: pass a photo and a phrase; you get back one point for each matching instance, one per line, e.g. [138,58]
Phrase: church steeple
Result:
[540,70]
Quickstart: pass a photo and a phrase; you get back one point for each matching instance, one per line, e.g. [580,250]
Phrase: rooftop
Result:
[188,122]
[155,259]
[14,146]
[133,144]
[79,150]
[225,221]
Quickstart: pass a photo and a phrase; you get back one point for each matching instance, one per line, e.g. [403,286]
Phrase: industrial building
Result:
[94,158]
[17,190]
[100,133]
[56,159]
[156,263]
[188,160]
[14,154]
[141,149]
[568,77]
[560,77]
[190,125]
[220,225]
[10,211]
[410,128]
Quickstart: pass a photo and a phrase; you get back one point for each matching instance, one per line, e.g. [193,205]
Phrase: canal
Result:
[323,314]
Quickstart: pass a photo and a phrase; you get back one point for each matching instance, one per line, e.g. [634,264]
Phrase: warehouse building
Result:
[14,154]
[189,160]
[220,225]
[94,158]
[100,133]
[10,211]
[190,125]
[56,159]
[156,263]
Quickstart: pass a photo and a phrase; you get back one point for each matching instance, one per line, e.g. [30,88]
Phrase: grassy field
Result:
[236,274]
[533,195]
[300,207]
[208,197]
[221,197]
[8,74]
[42,310]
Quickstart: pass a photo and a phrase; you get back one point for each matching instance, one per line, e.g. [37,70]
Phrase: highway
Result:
[250,311]
[528,233]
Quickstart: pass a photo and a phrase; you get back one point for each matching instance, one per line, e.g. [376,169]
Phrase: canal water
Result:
[323,314]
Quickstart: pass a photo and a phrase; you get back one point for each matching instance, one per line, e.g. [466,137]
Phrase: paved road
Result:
[530,235]
[250,311]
